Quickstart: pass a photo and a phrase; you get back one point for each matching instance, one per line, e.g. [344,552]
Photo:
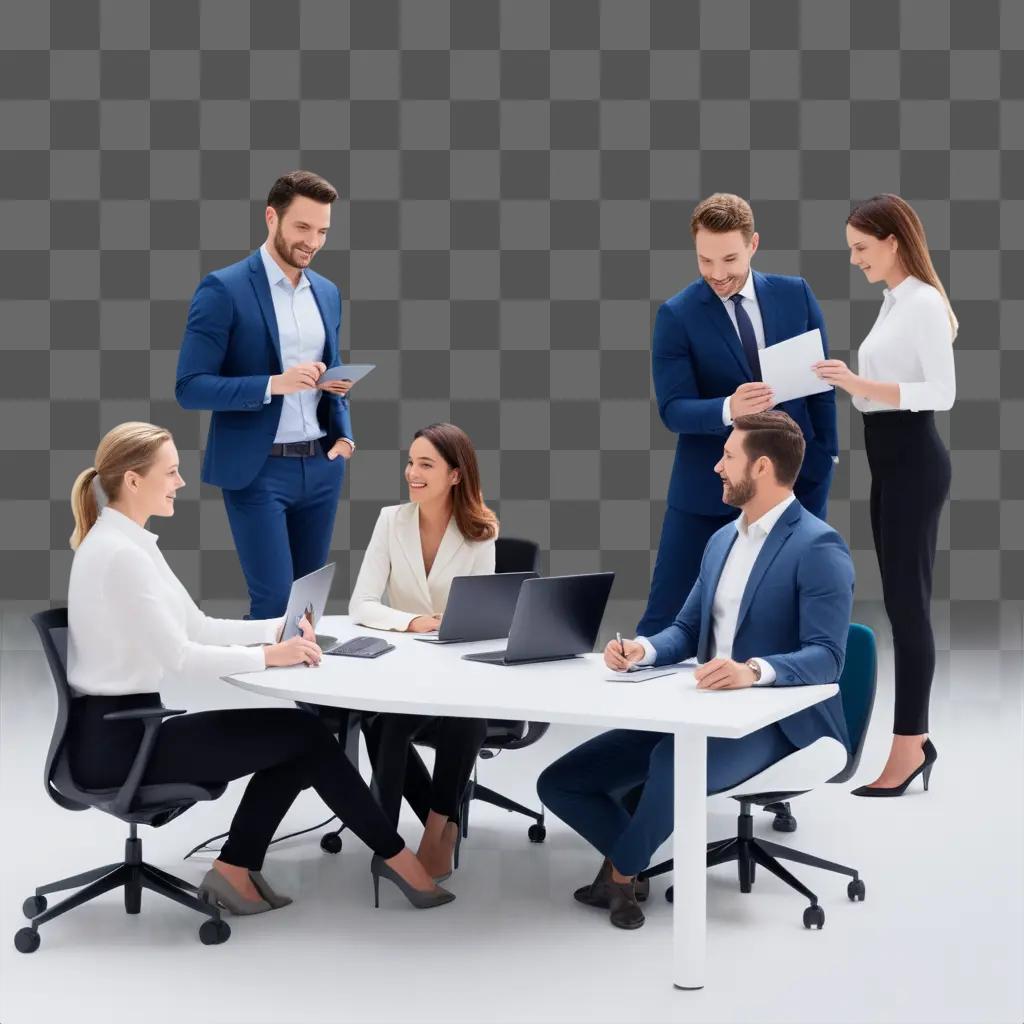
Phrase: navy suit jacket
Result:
[698,361]
[231,346]
[795,613]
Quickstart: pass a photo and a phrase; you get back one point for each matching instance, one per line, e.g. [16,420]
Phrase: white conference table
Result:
[420,678]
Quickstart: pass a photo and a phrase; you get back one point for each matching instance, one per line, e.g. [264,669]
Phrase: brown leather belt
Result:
[294,449]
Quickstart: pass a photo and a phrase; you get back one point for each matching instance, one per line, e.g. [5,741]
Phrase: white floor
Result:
[939,938]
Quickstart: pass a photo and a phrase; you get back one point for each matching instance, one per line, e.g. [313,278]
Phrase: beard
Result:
[738,494]
[288,252]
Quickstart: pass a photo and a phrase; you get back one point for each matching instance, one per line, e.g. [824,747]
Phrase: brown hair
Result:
[128,447]
[723,212]
[299,183]
[887,214]
[473,518]
[775,435]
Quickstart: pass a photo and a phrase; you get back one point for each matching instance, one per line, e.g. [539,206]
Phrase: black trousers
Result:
[284,749]
[457,742]
[910,477]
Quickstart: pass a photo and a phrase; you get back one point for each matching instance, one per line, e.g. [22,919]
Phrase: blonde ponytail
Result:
[128,447]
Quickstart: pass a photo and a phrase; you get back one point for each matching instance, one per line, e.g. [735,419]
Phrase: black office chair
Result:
[798,773]
[133,803]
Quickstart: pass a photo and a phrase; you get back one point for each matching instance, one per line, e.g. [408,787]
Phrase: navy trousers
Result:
[282,525]
[684,535]
[588,787]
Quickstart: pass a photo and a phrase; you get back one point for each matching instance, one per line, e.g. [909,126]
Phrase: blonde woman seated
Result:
[133,628]
[444,531]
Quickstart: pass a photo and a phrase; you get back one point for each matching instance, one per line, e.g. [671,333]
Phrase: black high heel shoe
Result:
[924,770]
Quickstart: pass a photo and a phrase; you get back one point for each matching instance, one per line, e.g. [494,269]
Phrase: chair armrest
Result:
[151,719]
[534,731]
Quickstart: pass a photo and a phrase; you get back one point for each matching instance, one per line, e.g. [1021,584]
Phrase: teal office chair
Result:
[825,760]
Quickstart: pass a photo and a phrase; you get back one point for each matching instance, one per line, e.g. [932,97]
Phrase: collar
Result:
[118,521]
[747,291]
[906,287]
[275,275]
[764,525]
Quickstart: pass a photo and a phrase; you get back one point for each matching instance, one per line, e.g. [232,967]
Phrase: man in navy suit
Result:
[707,372]
[259,336]
[770,607]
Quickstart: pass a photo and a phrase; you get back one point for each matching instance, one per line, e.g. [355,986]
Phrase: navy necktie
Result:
[747,337]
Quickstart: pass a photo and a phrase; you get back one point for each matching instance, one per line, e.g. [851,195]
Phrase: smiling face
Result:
[152,493]
[877,257]
[429,477]
[300,232]
[723,259]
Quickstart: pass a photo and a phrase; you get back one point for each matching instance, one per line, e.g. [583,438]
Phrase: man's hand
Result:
[302,377]
[613,654]
[723,674]
[336,387]
[754,396]
[341,447]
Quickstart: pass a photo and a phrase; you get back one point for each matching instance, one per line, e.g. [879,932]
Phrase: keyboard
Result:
[362,647]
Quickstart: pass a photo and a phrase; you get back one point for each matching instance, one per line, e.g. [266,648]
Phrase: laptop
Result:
[479,608]
[308,596]
[556,617]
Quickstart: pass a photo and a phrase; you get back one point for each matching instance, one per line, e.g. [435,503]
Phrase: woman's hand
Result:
[424,624]
[300,650]
[838,374]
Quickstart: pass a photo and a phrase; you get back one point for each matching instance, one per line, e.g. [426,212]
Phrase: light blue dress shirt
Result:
[301,330]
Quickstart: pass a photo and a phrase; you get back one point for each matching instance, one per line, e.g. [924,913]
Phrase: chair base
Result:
[749,851]
[133,875]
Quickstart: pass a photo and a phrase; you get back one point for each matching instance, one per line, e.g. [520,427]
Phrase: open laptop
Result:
[479,608]
[308,596]
[556,617]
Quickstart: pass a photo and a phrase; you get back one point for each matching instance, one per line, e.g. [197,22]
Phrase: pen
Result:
[622,646]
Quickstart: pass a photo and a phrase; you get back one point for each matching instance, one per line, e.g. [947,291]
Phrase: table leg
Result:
[689,856]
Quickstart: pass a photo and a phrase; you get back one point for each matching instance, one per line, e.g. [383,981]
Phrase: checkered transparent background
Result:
[516,183]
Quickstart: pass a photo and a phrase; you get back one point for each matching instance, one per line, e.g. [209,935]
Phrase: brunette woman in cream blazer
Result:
[417,549]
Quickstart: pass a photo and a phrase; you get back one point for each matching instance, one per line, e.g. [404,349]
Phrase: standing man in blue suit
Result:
[770,607]
[259,336]
[707,372]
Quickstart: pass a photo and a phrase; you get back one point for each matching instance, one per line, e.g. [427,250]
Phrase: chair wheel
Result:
[784,823]
[814,916]
[669,895]
[33,905]
[537,833]
[26,940]
[330,843]
[855,890]
[213,933]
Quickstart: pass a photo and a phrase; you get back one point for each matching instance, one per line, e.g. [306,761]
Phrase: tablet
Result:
[355,372]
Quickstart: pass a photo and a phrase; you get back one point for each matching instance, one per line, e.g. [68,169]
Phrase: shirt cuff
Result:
[726,413]
[650,654]
[767,672]
[266,395]
[350,441]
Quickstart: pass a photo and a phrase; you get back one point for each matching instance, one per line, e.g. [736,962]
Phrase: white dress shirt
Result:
[725,606]
[753,310]
[301,330]
[132,624]
[393,586]
[911,344]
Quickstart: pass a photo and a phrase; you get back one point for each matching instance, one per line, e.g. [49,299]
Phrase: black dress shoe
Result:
[924,770]
[596,894]
[624,910]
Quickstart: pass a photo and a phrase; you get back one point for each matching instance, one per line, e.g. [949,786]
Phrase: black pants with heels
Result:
[284,749]
[910,477]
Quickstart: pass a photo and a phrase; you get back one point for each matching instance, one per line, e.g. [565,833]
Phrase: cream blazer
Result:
[392,588]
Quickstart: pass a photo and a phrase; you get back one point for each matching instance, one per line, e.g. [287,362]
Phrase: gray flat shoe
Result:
[275,900]
[217,889]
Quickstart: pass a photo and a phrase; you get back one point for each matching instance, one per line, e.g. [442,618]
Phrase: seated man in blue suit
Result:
[770,607]
[707,371]
[259,336]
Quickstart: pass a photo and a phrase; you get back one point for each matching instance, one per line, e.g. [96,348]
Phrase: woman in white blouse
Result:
[134,629]
[445,530]
[906,375]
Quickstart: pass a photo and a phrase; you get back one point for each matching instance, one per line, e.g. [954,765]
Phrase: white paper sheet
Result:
[786,366]
[354,373]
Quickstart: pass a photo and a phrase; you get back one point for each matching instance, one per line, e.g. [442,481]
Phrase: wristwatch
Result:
[756,669]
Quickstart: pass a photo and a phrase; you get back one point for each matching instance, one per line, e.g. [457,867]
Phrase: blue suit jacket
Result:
[231,346]
[795,613]
[698,361]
